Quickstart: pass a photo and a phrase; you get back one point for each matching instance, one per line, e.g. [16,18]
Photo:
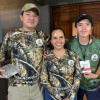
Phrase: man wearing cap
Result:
[26,46]
[88,50]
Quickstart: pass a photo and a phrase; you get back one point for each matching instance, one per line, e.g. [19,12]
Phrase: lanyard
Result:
[83,53]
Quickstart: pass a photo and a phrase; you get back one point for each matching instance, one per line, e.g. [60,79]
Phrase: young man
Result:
[88,50]
[26,46]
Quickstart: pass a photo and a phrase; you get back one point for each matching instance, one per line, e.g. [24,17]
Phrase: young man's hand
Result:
[90,75]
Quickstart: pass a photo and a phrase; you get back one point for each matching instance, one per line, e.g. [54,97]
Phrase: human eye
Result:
[54,37]
[27,13]
[35,16]
[79,24]
[61,37]
[88,24]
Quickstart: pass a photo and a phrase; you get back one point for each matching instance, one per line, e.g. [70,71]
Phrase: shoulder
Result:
[12,33]
[42,34]
[96,39]
[72,39]
[70,52]
[71,55]
[72,42]
[96,42]
[45,37]
[15,34]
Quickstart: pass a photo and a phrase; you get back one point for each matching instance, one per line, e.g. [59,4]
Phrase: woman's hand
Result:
[90,75]
[45,55]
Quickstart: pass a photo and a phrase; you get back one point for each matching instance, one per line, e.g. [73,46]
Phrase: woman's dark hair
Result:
[50,45]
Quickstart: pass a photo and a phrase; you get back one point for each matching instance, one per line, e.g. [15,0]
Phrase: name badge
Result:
[39,42]
[71,62]
[85,66]
[94,57]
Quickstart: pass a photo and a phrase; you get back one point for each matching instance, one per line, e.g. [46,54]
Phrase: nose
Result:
[58,40]
[83,27]
[31,17]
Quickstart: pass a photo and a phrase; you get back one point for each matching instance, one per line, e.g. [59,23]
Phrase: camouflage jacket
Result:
[26,51]
[61,76]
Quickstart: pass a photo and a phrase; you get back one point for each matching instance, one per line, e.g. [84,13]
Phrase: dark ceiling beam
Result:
[60,2]
[40,2]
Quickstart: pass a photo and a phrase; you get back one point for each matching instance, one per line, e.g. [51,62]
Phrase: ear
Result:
[21,17]
[92,29]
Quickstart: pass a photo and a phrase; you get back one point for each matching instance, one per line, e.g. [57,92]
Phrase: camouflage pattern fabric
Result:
[93,55]
[61,76]
[26,49]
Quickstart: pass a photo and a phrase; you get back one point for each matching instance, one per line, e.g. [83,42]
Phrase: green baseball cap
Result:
[29,6]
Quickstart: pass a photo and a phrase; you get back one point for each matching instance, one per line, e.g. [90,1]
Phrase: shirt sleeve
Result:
[46,84]
[77,79]
[5,48]
[46,41]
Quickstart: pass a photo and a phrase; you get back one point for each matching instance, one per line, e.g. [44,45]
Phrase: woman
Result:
[61,72]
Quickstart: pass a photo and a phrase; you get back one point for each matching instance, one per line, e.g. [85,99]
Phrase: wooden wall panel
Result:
[92,9]
[64,16]
[65,13]
[65,26]
[96,32]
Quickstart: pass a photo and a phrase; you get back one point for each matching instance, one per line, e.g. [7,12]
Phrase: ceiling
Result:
[60,2]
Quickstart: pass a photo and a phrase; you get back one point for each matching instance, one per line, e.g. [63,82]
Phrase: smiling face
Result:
[58,39]
[84,28]
[30,20]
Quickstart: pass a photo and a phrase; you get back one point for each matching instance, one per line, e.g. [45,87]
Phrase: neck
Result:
[84,40]
[28,29]
[59,53]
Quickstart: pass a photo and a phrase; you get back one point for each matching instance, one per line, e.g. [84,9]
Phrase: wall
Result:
[44,22]
[9,20]
[6,5]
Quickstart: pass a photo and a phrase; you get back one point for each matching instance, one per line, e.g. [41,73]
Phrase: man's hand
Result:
[1,70]
[90,75]
[64,99]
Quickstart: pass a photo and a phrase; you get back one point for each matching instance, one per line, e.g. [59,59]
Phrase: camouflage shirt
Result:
[93,55]
[26,50]
[61,76]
